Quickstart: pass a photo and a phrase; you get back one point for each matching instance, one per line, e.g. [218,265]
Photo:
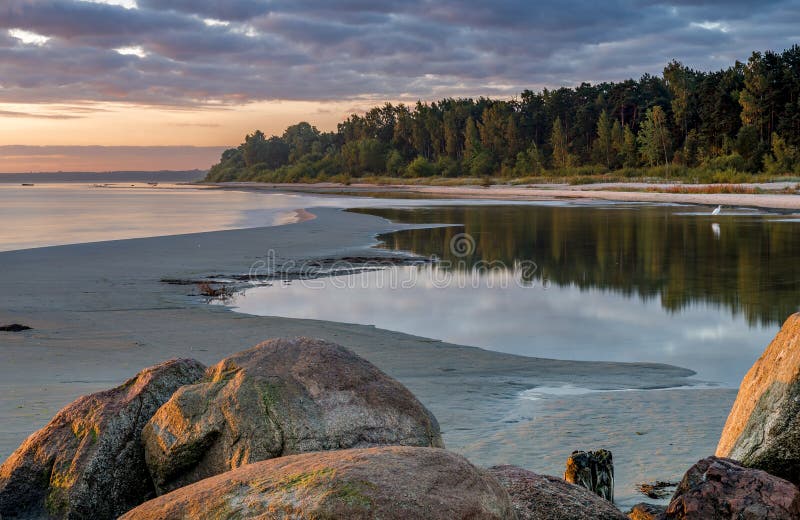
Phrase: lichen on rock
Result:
[390,482]
[279,398]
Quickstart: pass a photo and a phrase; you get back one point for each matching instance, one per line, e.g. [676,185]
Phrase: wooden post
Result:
[592,470]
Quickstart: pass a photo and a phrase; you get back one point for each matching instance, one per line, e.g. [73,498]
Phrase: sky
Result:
[79,74]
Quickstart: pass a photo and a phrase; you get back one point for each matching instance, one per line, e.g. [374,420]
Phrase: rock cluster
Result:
[178,422]
[757,467]
[304,428]
[88,461]
[763,428]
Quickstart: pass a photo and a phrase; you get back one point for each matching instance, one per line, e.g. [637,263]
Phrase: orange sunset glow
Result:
[74,127]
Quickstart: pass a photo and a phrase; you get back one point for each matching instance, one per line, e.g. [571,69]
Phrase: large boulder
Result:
[542,497]
[279,398]
[394,482]
[88,462]
[722,489]
[763,428]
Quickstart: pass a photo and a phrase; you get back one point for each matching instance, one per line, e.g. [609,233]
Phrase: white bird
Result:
[717,210]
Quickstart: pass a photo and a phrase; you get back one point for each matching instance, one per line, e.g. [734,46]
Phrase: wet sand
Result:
[100,314]
[604,191]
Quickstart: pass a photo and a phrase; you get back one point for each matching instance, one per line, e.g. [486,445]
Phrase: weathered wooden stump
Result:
[593,470]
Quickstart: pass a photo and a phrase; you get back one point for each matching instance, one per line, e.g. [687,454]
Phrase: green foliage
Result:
[529,162]
[472,142]
[420,167]
[562,159]
[448,167]
[784,158]
[690,151]
[708,122]
[482,164]
[604,145]
[654,141]
[630,152]
[749,146]
[257,149]
[395,164]
[731,162]
[364,156]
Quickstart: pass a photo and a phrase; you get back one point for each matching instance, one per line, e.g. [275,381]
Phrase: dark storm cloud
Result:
[234,51]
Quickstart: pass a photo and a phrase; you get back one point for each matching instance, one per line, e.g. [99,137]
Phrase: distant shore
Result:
[771,196]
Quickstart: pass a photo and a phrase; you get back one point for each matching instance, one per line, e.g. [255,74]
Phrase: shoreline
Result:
[100,313]
[601,192]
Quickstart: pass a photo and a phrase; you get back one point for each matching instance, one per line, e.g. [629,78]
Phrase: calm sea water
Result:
[56,214]
[571,280]
[73,213]
[669,284]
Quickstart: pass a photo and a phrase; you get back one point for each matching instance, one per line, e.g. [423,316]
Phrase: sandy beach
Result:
[100,313]
[619,192]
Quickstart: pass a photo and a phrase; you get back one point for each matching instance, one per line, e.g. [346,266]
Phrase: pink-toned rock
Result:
[763,428]
[390,483]
[717,488]
[88,461]
[542,497]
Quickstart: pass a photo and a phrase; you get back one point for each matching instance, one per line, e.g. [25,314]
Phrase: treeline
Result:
[704,125]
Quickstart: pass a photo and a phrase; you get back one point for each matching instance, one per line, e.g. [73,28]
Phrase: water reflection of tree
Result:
[651,252]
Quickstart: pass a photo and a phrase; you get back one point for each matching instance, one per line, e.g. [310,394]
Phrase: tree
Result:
[512,137]
[482,164]
[560,145]
[630,152]
[604,142]
[679,82]
[529,162]
[472,140]
[654,141]
[744,117]
[784,159]
[617,142]
[394,163]
[300,138]
[420,167]
[453,142]
[690,148]
[253,148]
[493,128]
[753,96]
[364,156]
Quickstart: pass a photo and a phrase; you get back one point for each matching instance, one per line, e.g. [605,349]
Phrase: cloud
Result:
[34,115]
[257,50]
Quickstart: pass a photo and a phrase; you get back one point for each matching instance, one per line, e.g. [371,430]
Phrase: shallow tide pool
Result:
[664,284]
